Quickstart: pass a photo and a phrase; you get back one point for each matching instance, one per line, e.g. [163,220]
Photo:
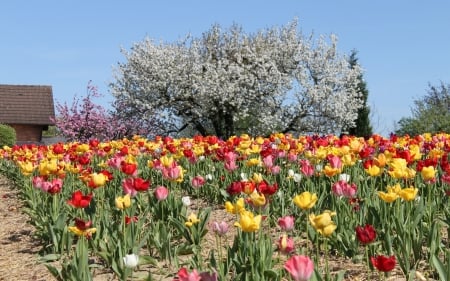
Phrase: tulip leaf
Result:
[270,273]
[54,271]
[50,257]
[147,260]
[440,268]
[340,275]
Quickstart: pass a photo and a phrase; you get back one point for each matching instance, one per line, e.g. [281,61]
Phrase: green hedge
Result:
[7,135]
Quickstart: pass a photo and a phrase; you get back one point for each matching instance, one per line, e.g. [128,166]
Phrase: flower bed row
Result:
[296,202]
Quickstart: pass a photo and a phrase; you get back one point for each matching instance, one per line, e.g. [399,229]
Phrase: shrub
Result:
[7,135]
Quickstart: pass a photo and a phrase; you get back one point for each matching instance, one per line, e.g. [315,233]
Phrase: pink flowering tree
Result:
[84,120]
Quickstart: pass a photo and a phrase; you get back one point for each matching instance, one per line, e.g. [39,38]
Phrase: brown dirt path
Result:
[18,250]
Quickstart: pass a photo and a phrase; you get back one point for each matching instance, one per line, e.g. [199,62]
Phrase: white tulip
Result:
[131,260]
[186,201]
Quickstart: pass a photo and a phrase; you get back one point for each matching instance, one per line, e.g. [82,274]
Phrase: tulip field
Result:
[246,208]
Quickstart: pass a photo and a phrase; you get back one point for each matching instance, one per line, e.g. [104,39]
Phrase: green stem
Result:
[327,269]
[368,265]
[307,236]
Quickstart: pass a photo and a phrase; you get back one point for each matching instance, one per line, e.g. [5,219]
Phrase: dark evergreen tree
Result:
[363,127]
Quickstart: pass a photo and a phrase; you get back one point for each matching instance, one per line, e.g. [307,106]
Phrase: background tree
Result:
[430,114]
[363,127]
[84,120]
[227,82]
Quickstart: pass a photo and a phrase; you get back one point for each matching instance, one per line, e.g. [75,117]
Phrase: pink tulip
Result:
[161,193]
[230,156]
[300,267]
[209,276]
[343,188]
[286,244]
[37,182]
[275,170]
[307,169]
[128,187]
[198,181]
[230,166]
[286,223]
[184,275]
[335,161]
[220,228]
[268,161]
[172,173]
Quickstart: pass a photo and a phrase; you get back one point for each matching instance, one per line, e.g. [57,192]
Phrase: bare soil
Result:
[19,251]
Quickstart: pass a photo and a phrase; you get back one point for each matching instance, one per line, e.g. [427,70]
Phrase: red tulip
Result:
[79,200]
[82,225]
[267,189]
[129,168]
[234,188]
[366,234]
[129,220]
[383,263]
[133,185]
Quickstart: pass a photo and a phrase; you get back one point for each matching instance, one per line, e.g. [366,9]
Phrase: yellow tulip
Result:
[26,167]
[166,161]
[428,173]
[305,200]
[327,230]
[192,219]
[235,208]
[258,199]
[98,179]
[255,149]
[322,220]
[322,223]
[330,171]
[388,197]
[252,162]
[123,202]
[257,178]
[374,171]
[380,160]
[394,188]
[415,151]
[248,222]
[348,159]
[408,194]
[48,167]
[81,148]
[78,232]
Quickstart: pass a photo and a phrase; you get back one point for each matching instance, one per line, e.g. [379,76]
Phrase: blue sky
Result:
[402,45]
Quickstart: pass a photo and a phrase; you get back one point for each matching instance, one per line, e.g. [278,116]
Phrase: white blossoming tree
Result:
[229,82]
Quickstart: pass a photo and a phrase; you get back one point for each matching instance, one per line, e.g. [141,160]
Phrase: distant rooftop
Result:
[26,104]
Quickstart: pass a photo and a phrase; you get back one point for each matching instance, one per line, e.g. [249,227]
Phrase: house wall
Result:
[28,133]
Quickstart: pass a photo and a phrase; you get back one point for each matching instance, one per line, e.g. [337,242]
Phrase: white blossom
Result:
[228,82]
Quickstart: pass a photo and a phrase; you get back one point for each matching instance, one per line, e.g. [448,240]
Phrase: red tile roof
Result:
[26,104]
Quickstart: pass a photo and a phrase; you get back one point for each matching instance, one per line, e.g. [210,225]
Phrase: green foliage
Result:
[430,114]
[363,127]
[50,132]
[7,135]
